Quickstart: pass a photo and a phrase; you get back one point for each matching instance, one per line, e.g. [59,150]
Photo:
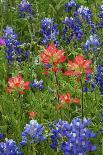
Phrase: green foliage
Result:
[14,108]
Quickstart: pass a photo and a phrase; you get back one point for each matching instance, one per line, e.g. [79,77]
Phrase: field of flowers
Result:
[51,77]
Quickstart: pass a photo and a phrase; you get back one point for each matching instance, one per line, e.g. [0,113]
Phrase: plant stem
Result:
[58,88]
[82,104]
[57,84]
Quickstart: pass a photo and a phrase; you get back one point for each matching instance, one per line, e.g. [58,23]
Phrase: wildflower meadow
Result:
[51,77]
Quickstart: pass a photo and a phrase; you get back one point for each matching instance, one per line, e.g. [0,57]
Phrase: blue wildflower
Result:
[38,84]
[10,34]
[101,12]
[33,132]
[9,148]
[92,44]
[101,17]
[99,78]
[89,84]
[86,13]
[92,82]
[70,5]
[49,31]
[2,136]
[61,130]
[47,66]
[73,138]
[13,50]
[25,8]
[76,31]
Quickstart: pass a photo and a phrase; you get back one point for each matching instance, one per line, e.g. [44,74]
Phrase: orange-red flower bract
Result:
[18,83]
[32,114]
[78,66]
[53,55]
[66,99]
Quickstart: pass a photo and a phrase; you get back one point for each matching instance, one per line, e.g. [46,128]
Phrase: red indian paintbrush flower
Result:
[78,66]
[18,84]
[67,99]
[53,55]
[32,114]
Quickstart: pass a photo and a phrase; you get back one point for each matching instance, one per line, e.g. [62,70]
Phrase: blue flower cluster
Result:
[38,84]
[33,132]
[101,17]
[13,50]
[25,8]
[87,16]
[99,78]
[70,5]
[73,138]
[49,31]
[2,136]
[86,13]
[89,84]
[60,131]
[75,25]
[9,148]
[96,81]
[92,44]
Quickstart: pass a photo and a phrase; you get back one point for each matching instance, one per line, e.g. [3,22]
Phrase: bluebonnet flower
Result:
[86,13]
[76,29]
[49,31]
[25,8]
[92,44]
[33,132]
[90,83]
[73,138]
[10,34]
[9,148]
[13,50]
[38,84]
[99,78]
[101,12]
[101,17]
[93,27]
[70,5]
[47,66]
[2,136]
[60,131]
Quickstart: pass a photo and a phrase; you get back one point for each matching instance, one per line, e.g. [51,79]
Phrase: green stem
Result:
[58,88]
[82,104]
[30,32]
[57,84]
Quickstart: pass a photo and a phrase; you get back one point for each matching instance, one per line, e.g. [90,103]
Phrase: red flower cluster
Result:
[18,84]
[78,66]
[67,99]
[53,55]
